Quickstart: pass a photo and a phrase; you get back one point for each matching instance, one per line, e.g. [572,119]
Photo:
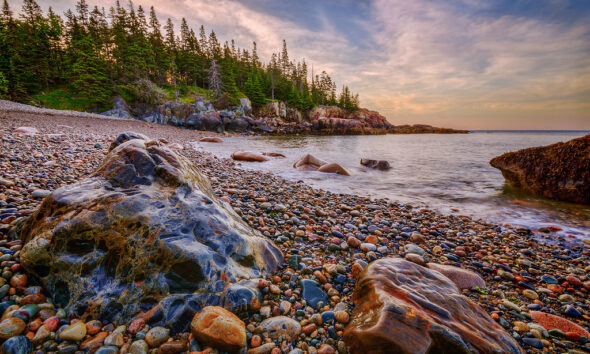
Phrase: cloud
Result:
[463,63]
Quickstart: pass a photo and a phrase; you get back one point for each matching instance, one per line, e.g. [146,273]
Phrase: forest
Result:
[94,54]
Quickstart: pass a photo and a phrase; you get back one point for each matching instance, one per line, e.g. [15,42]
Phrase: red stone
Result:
[550,322]
[51,323]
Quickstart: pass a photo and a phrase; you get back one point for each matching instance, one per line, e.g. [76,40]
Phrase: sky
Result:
[470,64]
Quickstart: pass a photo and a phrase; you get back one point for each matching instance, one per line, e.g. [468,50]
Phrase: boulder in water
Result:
[560,171]
[403,307]
[210,139]
[248,156]
[144,228]
[309,163]
[333,168]
[376,164]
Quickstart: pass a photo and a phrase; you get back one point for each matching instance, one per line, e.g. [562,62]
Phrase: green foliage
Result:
[3,86]
[62,98]
[126,50]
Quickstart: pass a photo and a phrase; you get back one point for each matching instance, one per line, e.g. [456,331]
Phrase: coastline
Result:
[315,225]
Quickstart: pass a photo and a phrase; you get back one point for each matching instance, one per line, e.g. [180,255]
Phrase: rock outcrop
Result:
[334,120]
[560,171]
[144,228]
[402,307]
[120,109]
[312,163]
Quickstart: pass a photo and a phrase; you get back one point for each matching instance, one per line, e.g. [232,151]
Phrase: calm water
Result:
[448,173]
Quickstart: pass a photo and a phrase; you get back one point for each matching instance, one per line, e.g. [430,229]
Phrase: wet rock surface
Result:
[143,226]
[559,171]
[406,308]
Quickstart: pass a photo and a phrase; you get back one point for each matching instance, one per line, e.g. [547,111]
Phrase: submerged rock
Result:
[403,307]
[309,163]
[333,168]
[376,164]
[560,171]
[248,156]
[143,228]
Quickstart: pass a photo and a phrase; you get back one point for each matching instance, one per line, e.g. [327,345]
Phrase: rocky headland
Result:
[137,243]
[274,118]
[559,171]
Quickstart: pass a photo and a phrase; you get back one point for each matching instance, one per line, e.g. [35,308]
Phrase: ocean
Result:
[447,173]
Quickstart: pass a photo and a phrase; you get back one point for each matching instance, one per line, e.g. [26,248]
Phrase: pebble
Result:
[156,336]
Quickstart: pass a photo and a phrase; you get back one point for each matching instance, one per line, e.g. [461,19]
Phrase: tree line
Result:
[126,50]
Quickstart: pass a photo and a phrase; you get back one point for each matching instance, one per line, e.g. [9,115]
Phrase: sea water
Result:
[448,173]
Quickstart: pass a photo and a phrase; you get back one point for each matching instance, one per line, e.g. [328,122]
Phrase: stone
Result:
[281,326]
[73,332]
[40,193]
[107,349]
[263,349]
[558,171]
[550,322]
[26,131]
[333,168]
[219,328]
[313,293]
[139,347]
[124,137]
[463,278]
[120,109]
[11,327]
[41,335]
[376,164]
[144,225]
[115,339]
[416,258]
[308,163]
[17,345]
[156,336]
[403,307]
[210,139]
[93,343]
[248,156]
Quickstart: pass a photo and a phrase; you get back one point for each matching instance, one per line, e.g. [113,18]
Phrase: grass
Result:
[188,94]
[61,98]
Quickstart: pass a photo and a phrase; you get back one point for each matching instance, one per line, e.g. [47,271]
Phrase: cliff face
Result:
[329,119]
[560,171]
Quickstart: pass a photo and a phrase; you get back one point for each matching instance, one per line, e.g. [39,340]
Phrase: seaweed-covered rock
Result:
[560,171]
[144,228]
[403,307]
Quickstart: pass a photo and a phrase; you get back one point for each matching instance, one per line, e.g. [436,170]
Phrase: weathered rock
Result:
[17,345]
[308,163]
[281,326]
[248,156]
[124,137]
[376,164]
[120,109]
[560,171]
[147,225]
[406,308]
[245,105]
[333,168]
[463,278]
[11,327]
[219,328]
[73,332]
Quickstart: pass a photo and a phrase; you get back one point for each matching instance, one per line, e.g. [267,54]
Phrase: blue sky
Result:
[475,64]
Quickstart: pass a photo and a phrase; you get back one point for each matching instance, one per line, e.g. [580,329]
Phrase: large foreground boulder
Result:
[144,228]
[402,307]
[560,171]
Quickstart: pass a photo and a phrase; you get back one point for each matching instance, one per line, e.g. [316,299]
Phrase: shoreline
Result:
[315,225]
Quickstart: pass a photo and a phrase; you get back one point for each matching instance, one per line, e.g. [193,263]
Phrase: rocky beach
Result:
[339,272]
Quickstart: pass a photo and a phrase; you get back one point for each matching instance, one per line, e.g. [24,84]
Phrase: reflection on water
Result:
[443,172]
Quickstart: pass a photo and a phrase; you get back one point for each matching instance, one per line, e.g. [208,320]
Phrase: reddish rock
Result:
[210,139]
[550,322]
[273,154]
[402,307]
[560,171]
[33,299]
[219,328]
[376,164]
[248,156]
[93,343]
[309,163]
[463,278]
[333,168]
[136,325]
[51,323]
